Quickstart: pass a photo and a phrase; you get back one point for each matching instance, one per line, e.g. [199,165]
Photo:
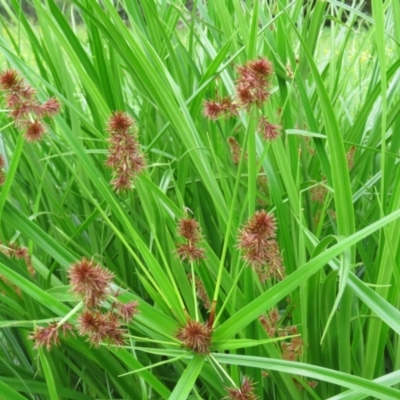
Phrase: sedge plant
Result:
[199,200]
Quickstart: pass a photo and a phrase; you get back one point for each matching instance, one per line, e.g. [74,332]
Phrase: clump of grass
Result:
[280,135]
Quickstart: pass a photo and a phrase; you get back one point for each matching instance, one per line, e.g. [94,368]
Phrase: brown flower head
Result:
[270,322]
[49,336]
[34,131]
[2,175]
[245,392]
[236,149]
[190,252]
[253,83]
[195,336]
[268,130]
[350,157]
[89,281]
[101,327]
[259,247]
[256,232]
[201,291]
[120,122]
[25,109]
[20,253]
[215,109]
[319,192]
[48,109]
[262,68]
[189,229]
[125,156]
[127,310]
[10,80]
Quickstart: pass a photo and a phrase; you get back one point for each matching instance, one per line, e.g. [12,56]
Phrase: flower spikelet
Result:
[49,336]
[253,82]
[90,281]
[189,229]
[245,392]
[259,247]
[270,322]
[2,174]
[215,109]
[127,310]
[20,253]
[268,130]
[350,157]
[293,349]
[236,149]
[201,291]
[124,154]
[25,108]
[195,336]
[101,327]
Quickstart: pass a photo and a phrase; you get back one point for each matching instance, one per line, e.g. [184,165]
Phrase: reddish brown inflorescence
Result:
[253,83]
[259,247]
[270,322]
[90,281]
[127,310]
[49,336]
[25,108]
[252,89]
[215,109]
[245,392]
[201,291]
[2,174]
[268,130]
[293,349]
[101,327]
[124,154]
[236,149]
[195,336]
[14,250]
[189,229]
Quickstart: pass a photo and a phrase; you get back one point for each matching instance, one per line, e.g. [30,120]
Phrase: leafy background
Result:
[336,95]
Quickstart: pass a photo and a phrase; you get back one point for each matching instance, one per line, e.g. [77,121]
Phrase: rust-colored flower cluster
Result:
[252,88]
[270,322]
[311,384]
[124,154]
[189,229]
[2,174]
[214,109]
[49,336]
[262,188]
[268,130]
[91,283]
[236,149]
[14,250]
[195,336]
[350,157]
[201,291]
[319,192]
[259,247]
[244,392]
[253,83]
[292,349]
[25,109]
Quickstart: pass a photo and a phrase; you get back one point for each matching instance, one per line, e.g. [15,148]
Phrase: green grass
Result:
[335,90]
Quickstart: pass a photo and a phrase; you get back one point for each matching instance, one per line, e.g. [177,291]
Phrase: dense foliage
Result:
[200,202]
